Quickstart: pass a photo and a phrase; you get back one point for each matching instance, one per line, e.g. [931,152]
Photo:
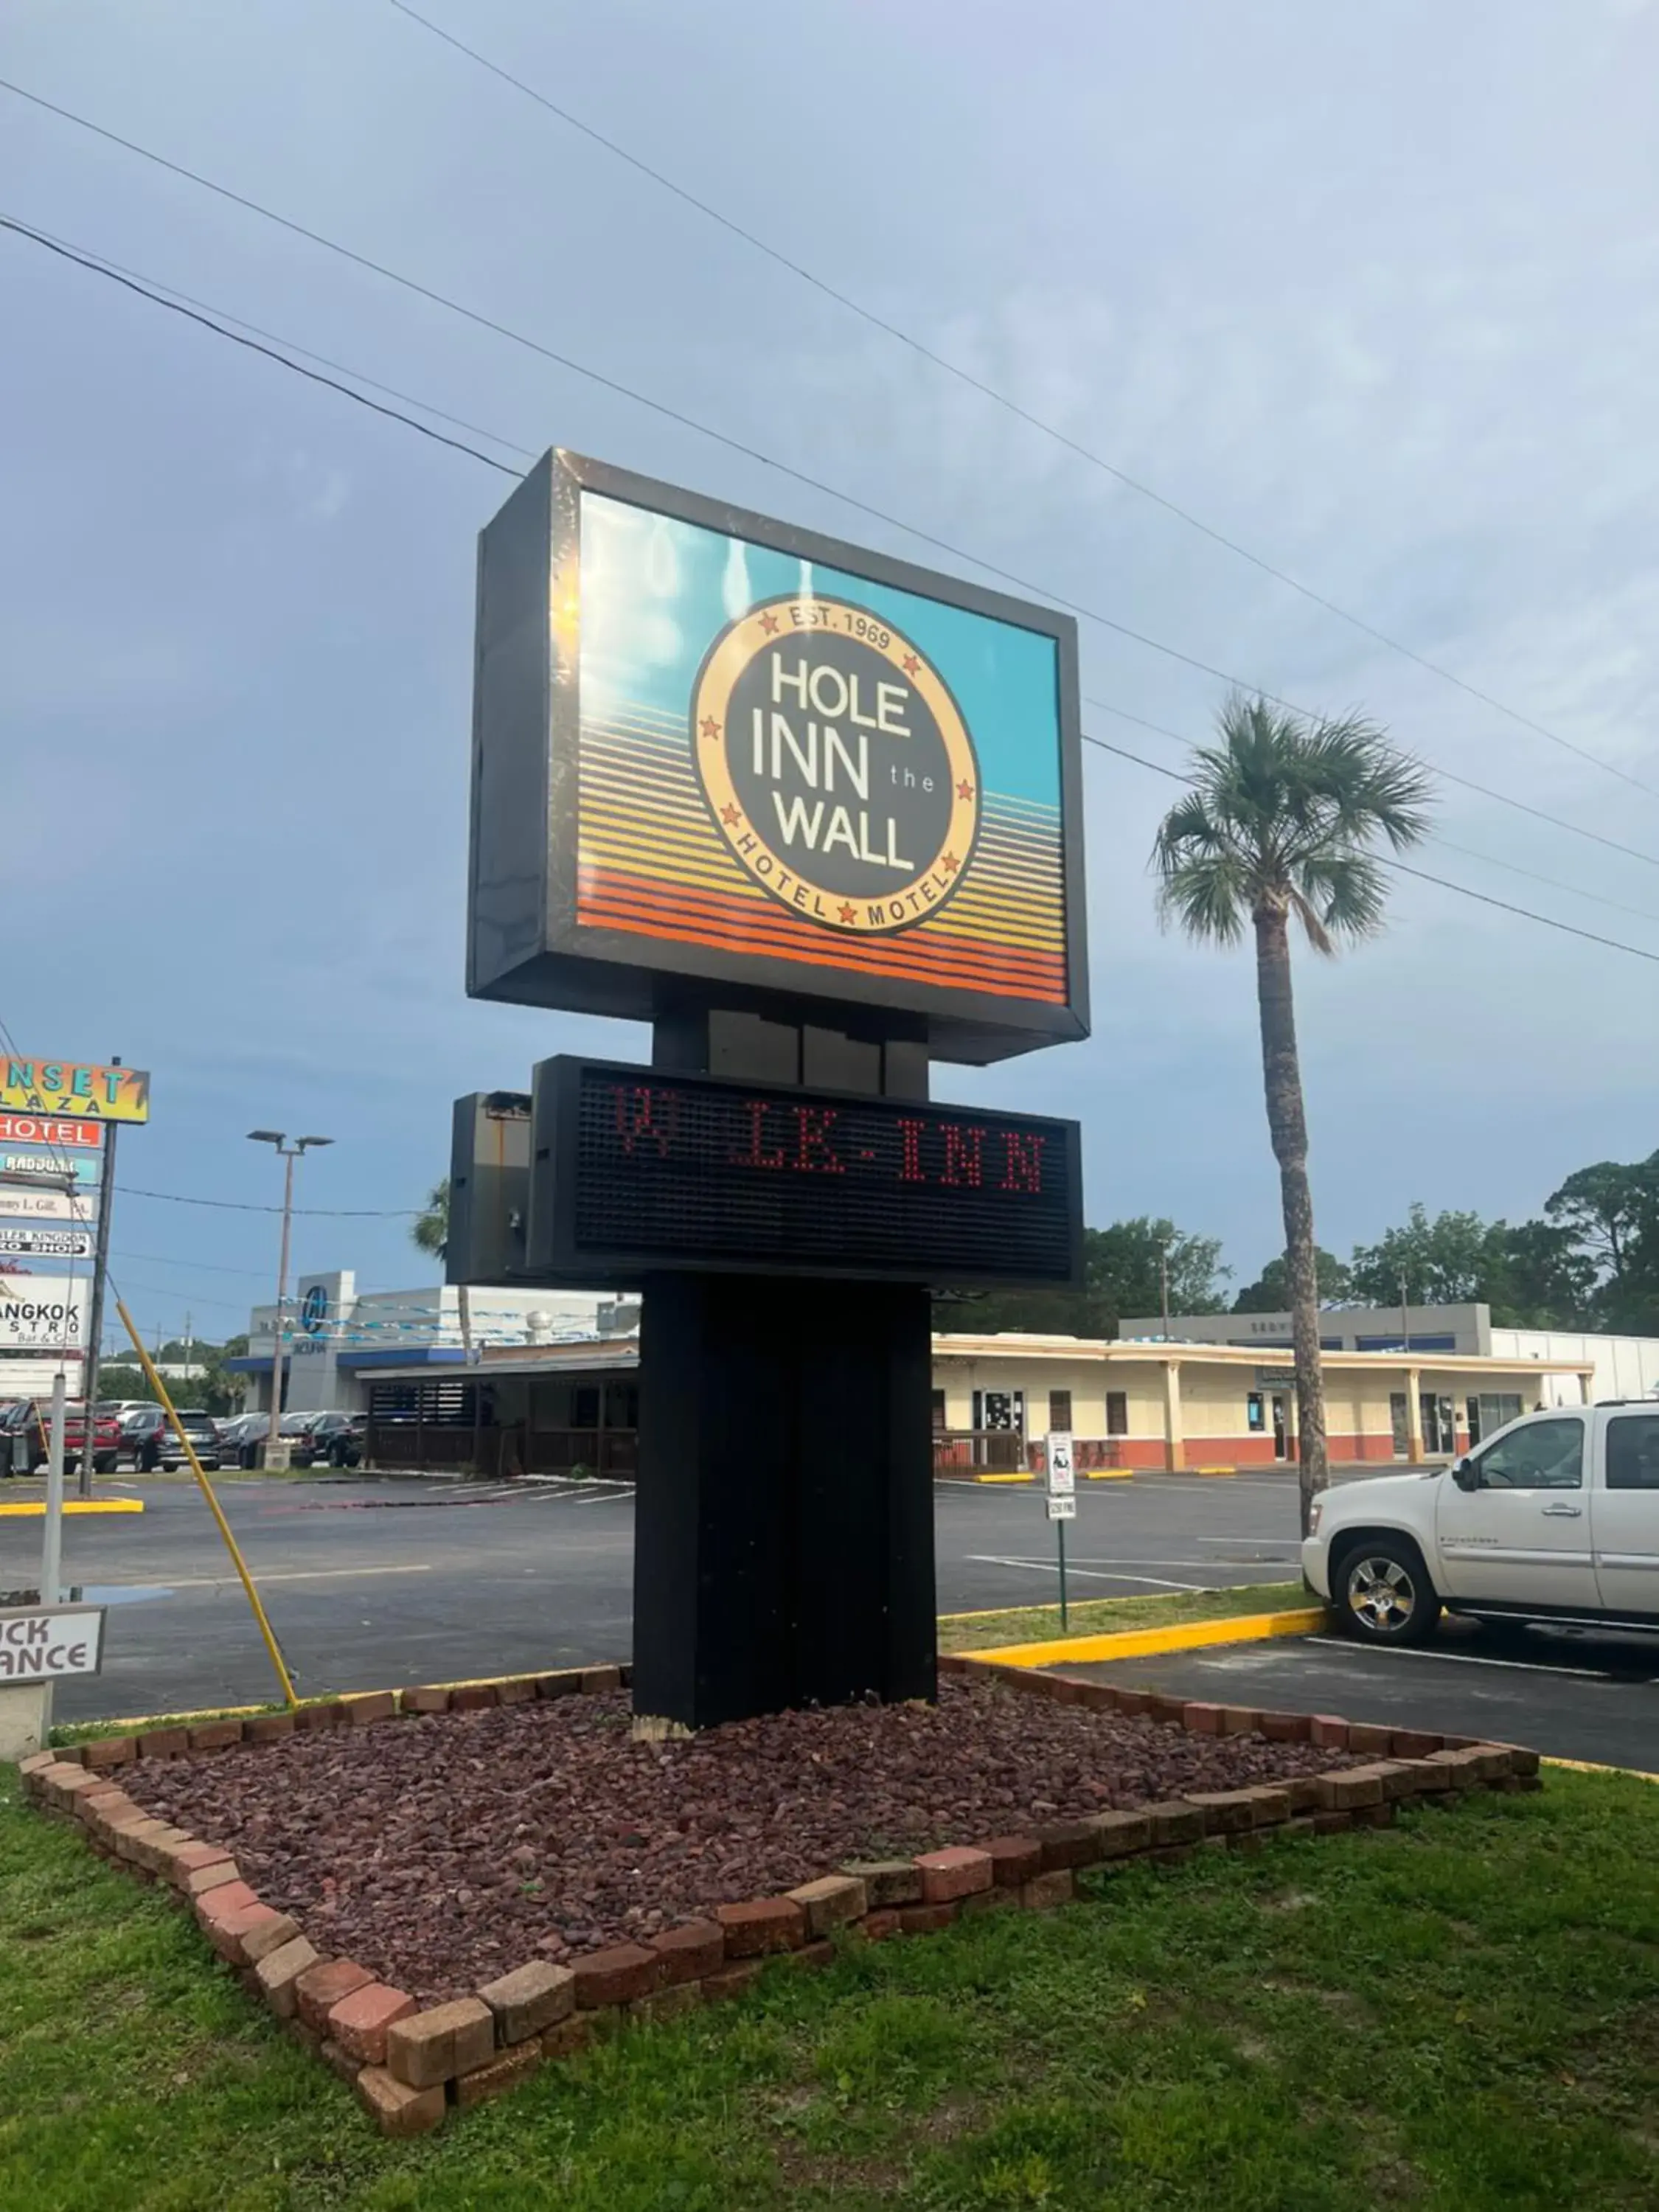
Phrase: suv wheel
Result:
[1381,1594]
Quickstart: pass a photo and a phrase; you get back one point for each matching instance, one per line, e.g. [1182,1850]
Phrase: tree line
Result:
[213,1388]
[1590,1260]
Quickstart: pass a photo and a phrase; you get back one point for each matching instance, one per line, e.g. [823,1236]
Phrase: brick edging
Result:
[407,2063]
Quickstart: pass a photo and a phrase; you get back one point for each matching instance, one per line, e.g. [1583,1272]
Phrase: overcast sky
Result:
[1376,293]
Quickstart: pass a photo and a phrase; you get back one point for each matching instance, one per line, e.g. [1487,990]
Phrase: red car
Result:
[25,1438]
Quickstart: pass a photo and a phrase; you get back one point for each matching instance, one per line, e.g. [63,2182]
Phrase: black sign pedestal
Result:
[784,1546]
[783,1549]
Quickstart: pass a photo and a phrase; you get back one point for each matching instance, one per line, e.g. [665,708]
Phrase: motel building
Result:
[540,1383]
[1170,1405]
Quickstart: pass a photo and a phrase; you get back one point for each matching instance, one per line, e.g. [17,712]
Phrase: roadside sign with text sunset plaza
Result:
[74,1089]
[706,744]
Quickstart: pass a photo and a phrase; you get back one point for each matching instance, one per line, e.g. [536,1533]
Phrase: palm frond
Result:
[1283,812]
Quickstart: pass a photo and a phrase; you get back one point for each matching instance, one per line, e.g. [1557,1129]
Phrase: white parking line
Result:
[1089,1574]
[1462,1658]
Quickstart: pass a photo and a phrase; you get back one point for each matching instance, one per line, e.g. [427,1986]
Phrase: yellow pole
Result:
[237,1561]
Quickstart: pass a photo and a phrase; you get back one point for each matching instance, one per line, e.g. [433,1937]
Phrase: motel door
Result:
[1001,1415]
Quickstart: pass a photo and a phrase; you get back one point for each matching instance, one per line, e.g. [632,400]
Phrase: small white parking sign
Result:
[1062,1477]
[1063,1505]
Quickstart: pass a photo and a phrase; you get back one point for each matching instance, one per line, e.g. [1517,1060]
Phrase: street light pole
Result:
[275,1454]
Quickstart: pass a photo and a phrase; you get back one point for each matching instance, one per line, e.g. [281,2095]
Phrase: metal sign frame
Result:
[524,942]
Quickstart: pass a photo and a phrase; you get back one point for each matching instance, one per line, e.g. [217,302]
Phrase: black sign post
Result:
[811,812]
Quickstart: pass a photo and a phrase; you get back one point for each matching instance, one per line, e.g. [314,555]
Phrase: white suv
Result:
[1553,1518]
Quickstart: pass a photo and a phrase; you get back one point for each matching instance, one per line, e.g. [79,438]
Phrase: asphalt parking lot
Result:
[372,1582]
[1588,1697]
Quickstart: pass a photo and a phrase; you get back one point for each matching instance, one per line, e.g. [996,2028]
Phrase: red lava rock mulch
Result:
[443,1849]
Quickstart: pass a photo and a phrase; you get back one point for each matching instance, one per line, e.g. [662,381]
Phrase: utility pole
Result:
[100,1275]
[1163,1285]
[1405,1319]
[275,1454]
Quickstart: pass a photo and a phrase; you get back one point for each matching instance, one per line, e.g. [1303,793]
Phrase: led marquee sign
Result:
[632,1170]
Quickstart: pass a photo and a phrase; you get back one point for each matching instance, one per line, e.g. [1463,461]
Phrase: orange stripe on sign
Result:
[680,902]
[608,898]
[952,974]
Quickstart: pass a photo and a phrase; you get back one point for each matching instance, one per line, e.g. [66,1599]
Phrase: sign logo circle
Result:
[314,1310]
[836,764]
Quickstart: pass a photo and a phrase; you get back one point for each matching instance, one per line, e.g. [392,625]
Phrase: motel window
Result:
[1256,1412]
[938,1412]
[1060,1410]
[1117,1412]
[1399,1425]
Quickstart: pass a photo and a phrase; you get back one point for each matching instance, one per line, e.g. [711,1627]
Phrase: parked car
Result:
[241,1437]
[22,1437]
[1554,1518]
[203,1431]
[149,1436]
[106,1438]
[25,1437]
[331,1439]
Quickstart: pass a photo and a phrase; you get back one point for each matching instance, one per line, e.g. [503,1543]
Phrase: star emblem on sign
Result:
[769,623]
[964,789]
[950,864]
[710,727]
[911,663]
[732,815]
[849,914]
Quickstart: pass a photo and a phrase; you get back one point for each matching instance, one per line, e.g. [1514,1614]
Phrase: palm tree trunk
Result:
[1281,1074]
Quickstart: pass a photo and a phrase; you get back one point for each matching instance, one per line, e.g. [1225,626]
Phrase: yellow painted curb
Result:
[1109,1474]
[1149,1643]
[37,1506]
[1594,1767]
[1004,1478]
[1209,1470]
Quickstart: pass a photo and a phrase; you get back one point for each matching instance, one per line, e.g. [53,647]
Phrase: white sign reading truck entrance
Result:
[46,1643]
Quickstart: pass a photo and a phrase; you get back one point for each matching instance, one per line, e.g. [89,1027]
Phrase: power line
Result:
[1447,775]
[253,345]
[202,1267]
[99,267]
[1487,860]
[1023,414]
[103,261]
[1443,883]
[736,445]
[243,1206]
[628,391]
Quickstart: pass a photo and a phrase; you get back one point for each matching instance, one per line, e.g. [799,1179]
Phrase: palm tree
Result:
[1282,820]
[430,1230]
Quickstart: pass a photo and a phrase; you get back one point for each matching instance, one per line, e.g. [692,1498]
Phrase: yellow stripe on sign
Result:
[37,1506]
[1149,1642]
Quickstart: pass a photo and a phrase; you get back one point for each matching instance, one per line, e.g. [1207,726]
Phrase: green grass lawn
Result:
[1102,1616]
[1460,2015]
